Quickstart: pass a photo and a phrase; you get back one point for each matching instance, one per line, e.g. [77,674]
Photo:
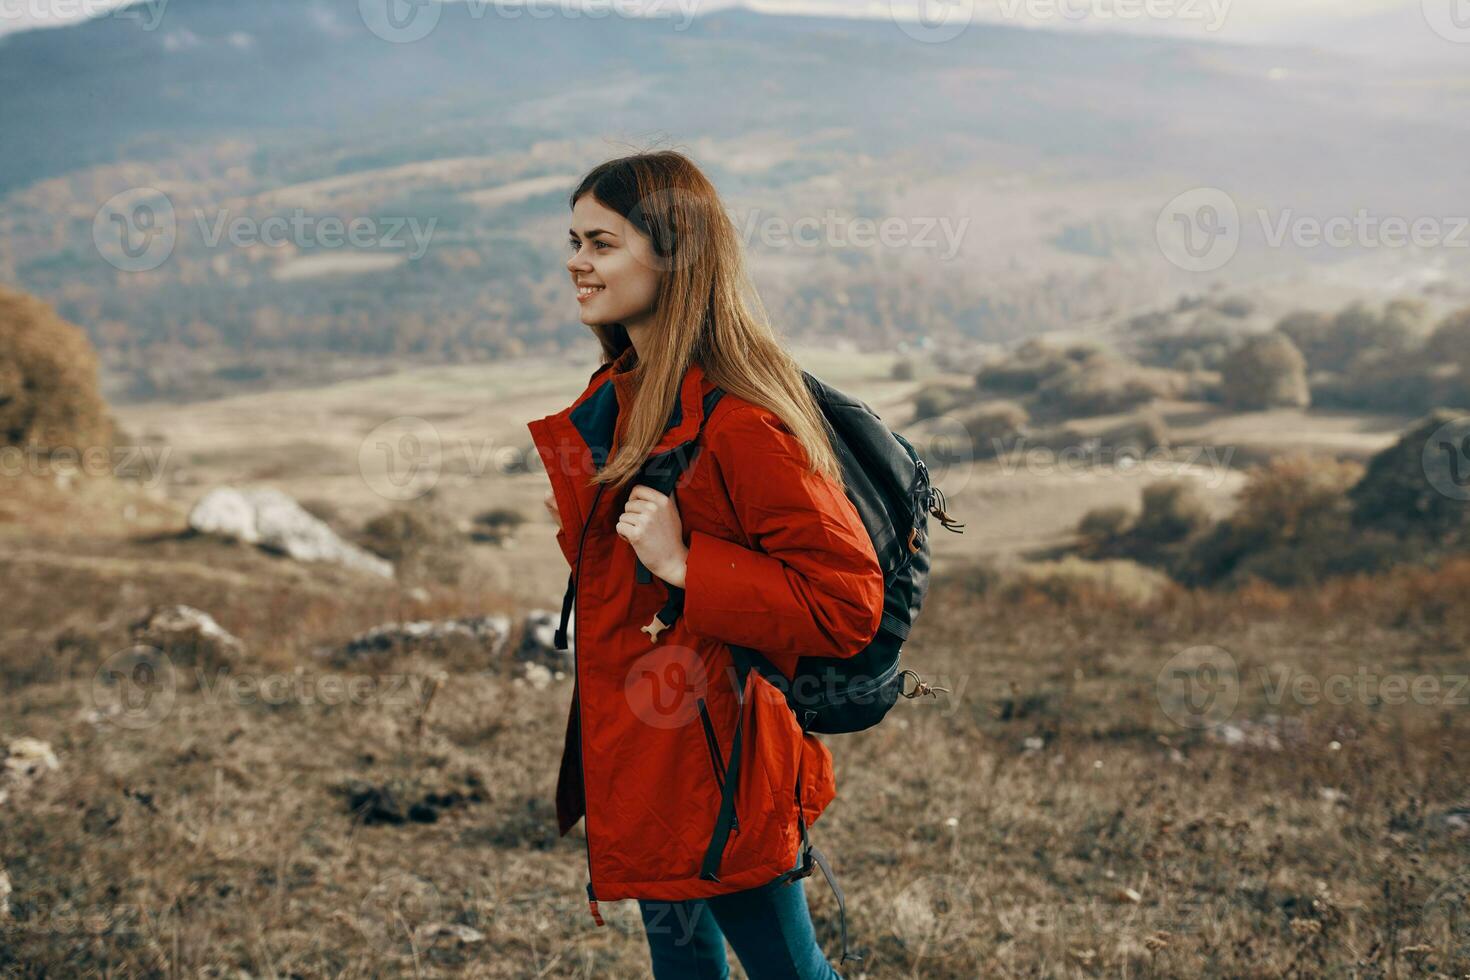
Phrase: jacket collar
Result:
[597,414]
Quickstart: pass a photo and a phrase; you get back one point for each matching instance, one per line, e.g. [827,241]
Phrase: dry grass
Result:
[1046,818]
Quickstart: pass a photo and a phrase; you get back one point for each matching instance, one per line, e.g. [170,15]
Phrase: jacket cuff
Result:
[722,597]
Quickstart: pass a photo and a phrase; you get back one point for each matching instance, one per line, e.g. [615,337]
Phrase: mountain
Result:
[1048,156]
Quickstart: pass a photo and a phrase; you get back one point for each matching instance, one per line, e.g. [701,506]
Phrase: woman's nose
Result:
[578,264]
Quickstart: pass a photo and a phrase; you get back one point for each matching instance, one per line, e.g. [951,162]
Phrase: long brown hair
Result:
[707,311]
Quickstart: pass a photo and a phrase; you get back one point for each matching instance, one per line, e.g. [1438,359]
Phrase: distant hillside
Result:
[1049,155]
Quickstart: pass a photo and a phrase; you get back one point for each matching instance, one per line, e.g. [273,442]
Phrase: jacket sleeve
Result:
[812,586]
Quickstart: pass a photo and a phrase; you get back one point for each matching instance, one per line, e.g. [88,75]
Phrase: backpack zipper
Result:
[581,726]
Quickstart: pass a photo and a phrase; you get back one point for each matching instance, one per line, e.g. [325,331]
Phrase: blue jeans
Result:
[769,928]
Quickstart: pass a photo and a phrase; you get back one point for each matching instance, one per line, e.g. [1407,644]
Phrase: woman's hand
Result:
[550,501]
[650,523]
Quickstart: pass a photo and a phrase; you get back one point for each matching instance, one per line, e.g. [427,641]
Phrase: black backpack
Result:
[888,484]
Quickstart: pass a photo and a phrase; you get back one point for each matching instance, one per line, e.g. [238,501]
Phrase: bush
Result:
[1172,511]
[1417,487]
[1104,385]
[1141,435]
[497,525]
[1236,307]
[1450,343]
[1265,371]
[48,379]
[421,542]
[902,370]
[1072,580]
[934,400]
[1104,524]
[1335,344]
[1297,497]
[994,427]
[1291,527]
[1023,371]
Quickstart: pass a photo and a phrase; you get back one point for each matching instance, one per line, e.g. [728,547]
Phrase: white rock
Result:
[27,760]
[271,519]
[538,676]
[490,631]
[464,934]
[173,621]
[5,891]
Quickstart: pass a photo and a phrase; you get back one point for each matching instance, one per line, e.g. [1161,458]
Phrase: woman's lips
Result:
[583,297]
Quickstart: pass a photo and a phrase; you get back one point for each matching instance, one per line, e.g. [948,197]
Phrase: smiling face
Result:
[616,261]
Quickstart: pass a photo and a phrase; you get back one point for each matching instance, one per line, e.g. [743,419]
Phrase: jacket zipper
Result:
[581,726]
[716,759]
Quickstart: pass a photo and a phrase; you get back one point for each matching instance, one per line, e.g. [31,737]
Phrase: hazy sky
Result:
[1241,18]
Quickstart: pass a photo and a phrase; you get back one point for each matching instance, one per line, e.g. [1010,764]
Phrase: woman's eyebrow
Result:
[593,233]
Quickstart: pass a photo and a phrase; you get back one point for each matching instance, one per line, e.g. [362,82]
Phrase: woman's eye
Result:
[573,244]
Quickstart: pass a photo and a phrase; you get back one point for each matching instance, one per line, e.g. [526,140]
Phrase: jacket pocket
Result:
[716,760]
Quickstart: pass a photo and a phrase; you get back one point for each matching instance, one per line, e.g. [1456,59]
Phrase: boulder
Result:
[187,635]
[272,520]
[27,761]
[489,632]
[538,636]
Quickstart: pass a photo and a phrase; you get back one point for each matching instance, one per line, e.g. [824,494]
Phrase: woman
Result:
[757,533]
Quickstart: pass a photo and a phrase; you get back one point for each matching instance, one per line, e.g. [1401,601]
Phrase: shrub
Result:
[934,400]
[1236,307]
[420,541]
[1291,527]
[1450,343]
[1265,371]
[1297,497]
[1172,510]
[902,370]
[1023,371]
[48,379]
[1104,524]
[1104,385]
[1336,343]
[1418,486]
[496,525]
[1140,434]
[994,427]
[1072,580]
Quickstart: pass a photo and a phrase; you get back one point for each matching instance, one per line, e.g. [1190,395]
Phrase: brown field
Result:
[1060,813]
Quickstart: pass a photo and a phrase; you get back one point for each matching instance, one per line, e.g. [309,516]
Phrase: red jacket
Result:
[779,561]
